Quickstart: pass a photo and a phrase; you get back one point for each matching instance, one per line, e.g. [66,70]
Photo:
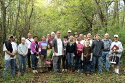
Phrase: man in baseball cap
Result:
[115,36]
[116,50]
[69,34]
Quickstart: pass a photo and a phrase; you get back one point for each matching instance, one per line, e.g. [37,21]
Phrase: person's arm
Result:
[91,54]
[8,52]
[120,48]
[102,45]
[93,45]
[26,52]
[32,48]
[40,47]
[82,58]
[110,52]
[19,50]
[53,44]
[75,49]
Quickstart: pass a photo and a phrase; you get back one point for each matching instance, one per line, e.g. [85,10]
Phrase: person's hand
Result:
[63,54]
[90,60]
[109,57]
[114,51]
[73,55]
[12,54]
[37,53]
[24,55]
[54,54]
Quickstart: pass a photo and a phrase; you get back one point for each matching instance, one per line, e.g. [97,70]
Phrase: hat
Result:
[69,31]
[115,35]
[75,33]
[10,36]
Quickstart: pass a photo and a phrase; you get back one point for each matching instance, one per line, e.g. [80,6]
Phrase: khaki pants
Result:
[41,63]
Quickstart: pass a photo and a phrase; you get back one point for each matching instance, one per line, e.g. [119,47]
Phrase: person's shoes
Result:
[63,70]
[78,71]
[34,71]
[87,74]
[91,72]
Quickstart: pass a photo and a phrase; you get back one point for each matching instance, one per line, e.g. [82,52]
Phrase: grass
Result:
[105,77]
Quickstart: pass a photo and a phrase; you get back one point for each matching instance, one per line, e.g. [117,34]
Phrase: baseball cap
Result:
[115,35]
[10,36]
[69,31]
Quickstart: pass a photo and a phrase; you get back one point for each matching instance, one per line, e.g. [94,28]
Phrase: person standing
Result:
[28,42]
[105,52]
[47,37]
[76,36]
[16,46]
[49,58]
[87,55]
[57,47]
[81,39]
[97,47]
[50,41]
[69,34]
[9,56]
[22,50]
[78,55]
[116,49]
[64,57]
[71,52]
[42,56]
[35,51]
[88,38]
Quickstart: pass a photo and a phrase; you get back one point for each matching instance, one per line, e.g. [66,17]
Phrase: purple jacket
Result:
[33,47]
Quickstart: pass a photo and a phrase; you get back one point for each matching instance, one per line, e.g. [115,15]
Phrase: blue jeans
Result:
[70,59]
[78,62]
[105,57]
[98,61]
[34,61]
[9,63]
[22,62]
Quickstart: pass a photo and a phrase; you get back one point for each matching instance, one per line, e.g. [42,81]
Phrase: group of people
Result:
[74,53]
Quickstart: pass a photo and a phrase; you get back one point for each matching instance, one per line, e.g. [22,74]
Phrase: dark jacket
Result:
[8,45]
[72,48]
[97,47]
[54,44]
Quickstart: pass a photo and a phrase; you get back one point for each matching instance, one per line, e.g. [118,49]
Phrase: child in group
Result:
[87,55]
[78,56]
[64,57]
[22,50]
[49,57]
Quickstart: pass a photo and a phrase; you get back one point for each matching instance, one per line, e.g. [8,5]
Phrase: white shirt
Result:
[29,42]
[118,44]
[81,42]
[7,56]
[14,46]
[90,42]
[60,47]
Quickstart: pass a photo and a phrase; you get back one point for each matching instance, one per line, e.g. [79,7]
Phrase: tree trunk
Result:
[123,17]
[116,12]
[3,20]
